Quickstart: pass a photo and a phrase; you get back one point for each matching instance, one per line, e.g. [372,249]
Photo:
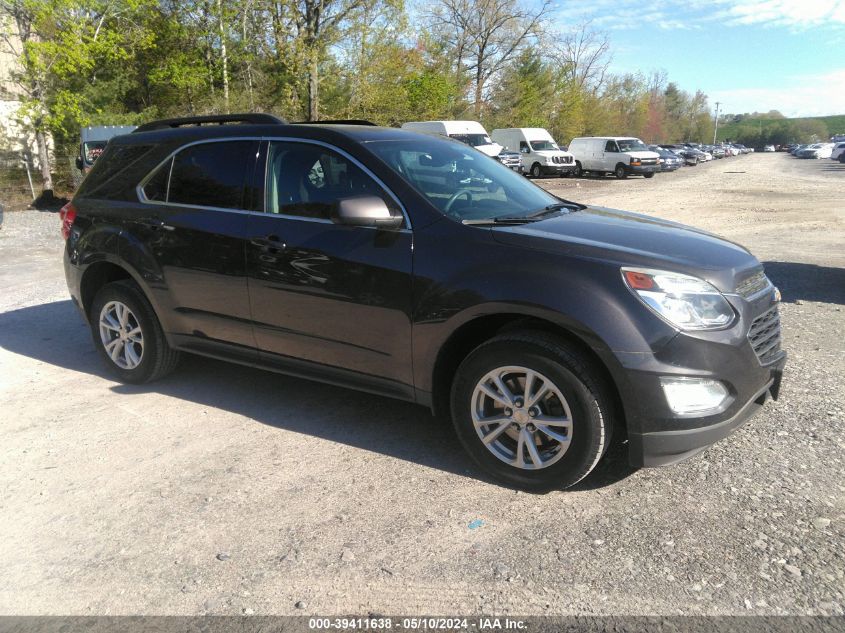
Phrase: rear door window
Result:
[211,174]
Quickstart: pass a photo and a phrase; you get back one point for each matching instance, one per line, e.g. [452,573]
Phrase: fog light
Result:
[693,395]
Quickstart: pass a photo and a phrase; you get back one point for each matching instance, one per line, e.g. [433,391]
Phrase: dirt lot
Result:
[228,490]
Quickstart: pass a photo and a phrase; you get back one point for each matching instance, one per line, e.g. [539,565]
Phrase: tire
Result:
[578,172]
[649,175]
[139,359]
[536,170]
[620,172]
[577,393]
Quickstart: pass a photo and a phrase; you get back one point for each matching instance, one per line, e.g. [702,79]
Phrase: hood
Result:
[643,154]
[636,240]
[493,149]
[551,152]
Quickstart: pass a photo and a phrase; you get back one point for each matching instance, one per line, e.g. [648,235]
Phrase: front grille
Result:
[560,160]
[649,161]
[753,284]
[764,335]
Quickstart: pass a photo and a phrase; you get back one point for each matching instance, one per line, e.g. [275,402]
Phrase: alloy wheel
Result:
[121,335]
[521,417]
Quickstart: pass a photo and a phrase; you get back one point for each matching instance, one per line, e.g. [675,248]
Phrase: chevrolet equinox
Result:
[416,267]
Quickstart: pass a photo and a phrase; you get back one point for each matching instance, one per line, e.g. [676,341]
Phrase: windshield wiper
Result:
[503,220]
[531,217]
[553,208]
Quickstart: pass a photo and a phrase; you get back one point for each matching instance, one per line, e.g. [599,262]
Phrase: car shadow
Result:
[807,282]
[53,333]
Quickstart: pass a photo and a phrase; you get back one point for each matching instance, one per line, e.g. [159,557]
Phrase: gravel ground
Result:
[226,490]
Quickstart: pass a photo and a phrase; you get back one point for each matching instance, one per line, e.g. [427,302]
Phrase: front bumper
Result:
[644,169]
[557,169]
[661,448]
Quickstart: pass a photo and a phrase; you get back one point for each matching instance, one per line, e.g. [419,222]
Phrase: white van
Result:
[619,155]
[539,153]
[469,132]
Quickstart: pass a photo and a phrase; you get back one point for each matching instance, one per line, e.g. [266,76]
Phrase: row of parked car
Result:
[534,152]
[835,151]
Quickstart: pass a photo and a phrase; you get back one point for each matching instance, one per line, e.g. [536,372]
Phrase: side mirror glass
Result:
[525,150]
[366,211]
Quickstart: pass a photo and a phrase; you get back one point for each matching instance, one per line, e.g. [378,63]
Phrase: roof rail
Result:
[218,119]
[337,122]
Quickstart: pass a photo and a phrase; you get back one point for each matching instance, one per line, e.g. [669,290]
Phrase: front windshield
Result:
[540,146]
[460,182]
[475,140]
[631,145]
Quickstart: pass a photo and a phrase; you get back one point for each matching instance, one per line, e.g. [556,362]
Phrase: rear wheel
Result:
[531,411]
[128,336]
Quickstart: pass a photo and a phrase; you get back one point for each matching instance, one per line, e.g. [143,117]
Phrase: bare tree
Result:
[319,24]
[485,35]
[585,55]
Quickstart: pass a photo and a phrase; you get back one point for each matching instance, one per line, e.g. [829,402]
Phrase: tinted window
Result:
[156,187]
[610,147]
[211,174]
[459,181]
[111,176]
[307,180]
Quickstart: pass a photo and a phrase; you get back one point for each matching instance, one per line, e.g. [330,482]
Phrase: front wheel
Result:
[536,170]
[577,172]
[531,411]
[649,175]
[620,172]
[128,335]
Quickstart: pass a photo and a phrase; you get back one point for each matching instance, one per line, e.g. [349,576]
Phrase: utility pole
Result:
[716,129]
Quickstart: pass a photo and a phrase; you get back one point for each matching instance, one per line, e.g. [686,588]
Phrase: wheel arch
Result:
[480,329]
[104,271]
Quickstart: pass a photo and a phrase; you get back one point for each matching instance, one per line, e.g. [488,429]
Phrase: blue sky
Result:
[750,55]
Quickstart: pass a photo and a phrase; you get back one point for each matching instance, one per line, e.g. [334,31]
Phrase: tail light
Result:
[67,214]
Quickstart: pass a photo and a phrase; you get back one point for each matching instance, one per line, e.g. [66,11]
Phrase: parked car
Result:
[837,151]
[469,132]
[395,262]
[619,155]
[769,148]
[540,154]
[816,150]
[93,140]
[716,151]
[690,155]
[669,161]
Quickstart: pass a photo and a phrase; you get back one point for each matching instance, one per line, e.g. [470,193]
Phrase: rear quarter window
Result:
[115,173]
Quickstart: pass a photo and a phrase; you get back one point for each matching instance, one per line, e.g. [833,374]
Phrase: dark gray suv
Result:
[415,267]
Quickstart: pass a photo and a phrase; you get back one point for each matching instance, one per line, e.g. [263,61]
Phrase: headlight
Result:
[684,301]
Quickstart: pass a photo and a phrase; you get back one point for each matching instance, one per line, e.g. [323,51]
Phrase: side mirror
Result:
[524,150]
[366,211]
[79,164]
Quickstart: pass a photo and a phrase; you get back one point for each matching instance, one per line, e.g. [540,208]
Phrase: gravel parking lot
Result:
[226,490]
